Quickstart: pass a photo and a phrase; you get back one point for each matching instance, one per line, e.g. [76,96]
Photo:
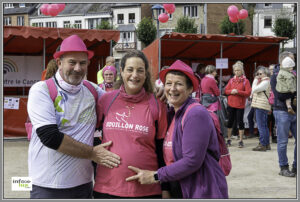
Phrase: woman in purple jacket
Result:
[188,149]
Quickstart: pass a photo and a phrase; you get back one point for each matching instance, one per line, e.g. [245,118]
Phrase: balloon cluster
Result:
[52,9]
[235,15]
[164,17]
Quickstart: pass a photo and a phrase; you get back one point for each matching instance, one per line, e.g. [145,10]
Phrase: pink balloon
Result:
[53,10]
[44,9]
[243,13]
[232,11]
[233,19]
[163,17]
[61,7]
[170,8]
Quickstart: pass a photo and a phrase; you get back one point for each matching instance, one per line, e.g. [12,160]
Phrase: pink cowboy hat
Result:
[180,66]
[73,44]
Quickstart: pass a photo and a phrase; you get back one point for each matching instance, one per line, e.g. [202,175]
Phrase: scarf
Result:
[65,86]
[108,85]
[132,98]
[240,79]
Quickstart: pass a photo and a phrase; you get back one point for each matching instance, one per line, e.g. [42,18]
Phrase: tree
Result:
[146,31]
[104,25]
[284,27]
[228,27]
[186,25]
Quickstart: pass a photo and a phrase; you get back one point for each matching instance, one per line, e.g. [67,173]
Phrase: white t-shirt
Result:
[75,115]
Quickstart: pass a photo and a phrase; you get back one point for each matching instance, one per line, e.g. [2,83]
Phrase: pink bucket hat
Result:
[73,44]
[180,66]
[111,68]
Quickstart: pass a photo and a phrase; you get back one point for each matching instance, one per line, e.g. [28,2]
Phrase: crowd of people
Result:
[149,144]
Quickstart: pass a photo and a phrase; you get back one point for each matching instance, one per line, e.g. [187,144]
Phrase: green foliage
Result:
[186,25]
[228,27]
[284,27]
[104,25]
[146,31]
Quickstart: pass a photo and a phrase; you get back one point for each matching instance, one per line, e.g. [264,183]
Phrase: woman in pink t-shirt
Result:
[136,124]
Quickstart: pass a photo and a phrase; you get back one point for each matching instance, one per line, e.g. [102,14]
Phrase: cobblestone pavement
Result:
[254,174]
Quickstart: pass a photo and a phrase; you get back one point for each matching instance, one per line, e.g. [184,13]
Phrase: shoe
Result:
[286,172]
[228,143]
[294,170]
[260,148]
[268,147]
[241,144]
[274,140]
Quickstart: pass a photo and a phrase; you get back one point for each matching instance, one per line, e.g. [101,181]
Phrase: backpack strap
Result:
[115,95]
[91,89]
[186,112]
[52,88]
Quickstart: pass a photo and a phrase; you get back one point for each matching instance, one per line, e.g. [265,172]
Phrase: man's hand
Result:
[104,157]
[160,93]
[143,176]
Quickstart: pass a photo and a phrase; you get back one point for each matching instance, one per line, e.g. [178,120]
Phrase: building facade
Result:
[17,14]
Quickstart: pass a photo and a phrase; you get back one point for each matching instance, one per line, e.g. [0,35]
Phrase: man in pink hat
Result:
[61,148]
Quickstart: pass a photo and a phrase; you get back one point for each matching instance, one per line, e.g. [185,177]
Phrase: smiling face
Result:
[177,90]
[73,67]
[133,75]
[108,76]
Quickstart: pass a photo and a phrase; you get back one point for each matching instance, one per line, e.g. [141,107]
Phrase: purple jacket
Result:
[198,173]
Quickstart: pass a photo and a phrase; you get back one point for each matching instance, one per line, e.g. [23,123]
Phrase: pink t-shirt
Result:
[168,154]
[131,128]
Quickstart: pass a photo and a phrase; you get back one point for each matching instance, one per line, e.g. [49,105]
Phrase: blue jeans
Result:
[250,118]
[285,122]
[262,125]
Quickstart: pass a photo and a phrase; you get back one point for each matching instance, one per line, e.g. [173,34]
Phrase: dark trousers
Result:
[82,191]
[108,196]
[250,118]
[235,114]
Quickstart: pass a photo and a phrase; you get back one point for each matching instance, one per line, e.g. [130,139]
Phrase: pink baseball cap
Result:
[73,44]
[180,66]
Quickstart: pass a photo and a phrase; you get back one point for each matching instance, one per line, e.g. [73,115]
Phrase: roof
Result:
[126,28]
[22,10]
[125,5]
[252,50]
[72,9]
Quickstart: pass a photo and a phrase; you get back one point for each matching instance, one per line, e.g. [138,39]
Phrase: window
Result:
[67,24]
[268,5]
[21,5]
[268,22]
[51,24]
[77,24]
[20,21]
[131,18]
[7,21]
[127,37]
[37,24]
[93,23]
[120,19]
[191,11]
[8,5]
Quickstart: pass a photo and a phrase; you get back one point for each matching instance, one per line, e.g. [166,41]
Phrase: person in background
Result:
[285,122]
[61,145]
[188,148]
[271,119]
[238,89]
[210,90]
[110,61]
[110,75]
[158,82]
[200,70]
[286,82]
[260,95]
[137,133]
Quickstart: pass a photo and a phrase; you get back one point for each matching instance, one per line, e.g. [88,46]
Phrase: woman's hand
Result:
[143,176]
[234,91]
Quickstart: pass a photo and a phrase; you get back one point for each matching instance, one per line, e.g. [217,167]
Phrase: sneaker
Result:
[260,148]
[228,143]
[294,170]
[286,172]
[268,147]
[241,144]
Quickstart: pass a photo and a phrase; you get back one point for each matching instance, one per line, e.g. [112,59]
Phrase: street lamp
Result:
[155,13]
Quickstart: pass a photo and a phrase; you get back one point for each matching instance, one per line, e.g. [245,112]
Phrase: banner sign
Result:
[11,103]
[222,63]
[22,71]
